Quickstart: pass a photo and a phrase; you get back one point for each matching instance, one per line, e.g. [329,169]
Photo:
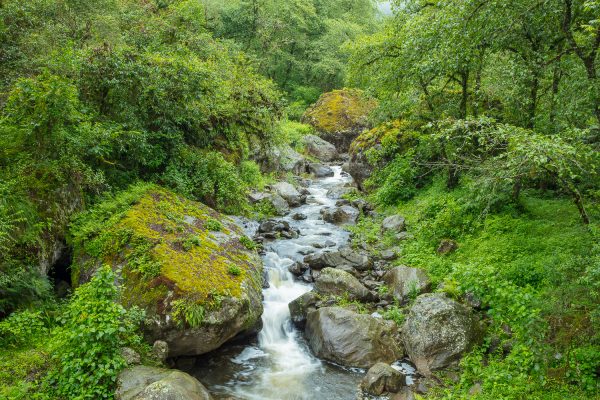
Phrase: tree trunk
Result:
[464,83]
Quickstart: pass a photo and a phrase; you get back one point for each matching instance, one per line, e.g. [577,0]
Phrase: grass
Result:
[535,269]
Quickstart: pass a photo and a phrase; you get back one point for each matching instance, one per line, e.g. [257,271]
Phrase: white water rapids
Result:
[280,366]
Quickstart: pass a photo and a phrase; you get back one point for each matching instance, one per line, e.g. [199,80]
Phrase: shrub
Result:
[213,225]
[234,270]
[248,243]
[87,349]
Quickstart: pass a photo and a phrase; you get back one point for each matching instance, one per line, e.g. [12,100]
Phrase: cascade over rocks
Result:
[300,307]
[404,281]
[438,331]
[177,260]
[340,283]
[150,383]
[319,148]
[355,340]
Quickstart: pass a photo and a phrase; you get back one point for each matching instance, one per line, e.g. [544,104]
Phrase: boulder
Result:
[382,378]
[289,193]
[320,170]
[285,159]
[338,191]
[340,116]
[300,307]
[403,134]
[279,204]
[342,257]
[340,215]
[299,217]
[192,270]
[150,383]
[394,223]
[354,340]
[438,331]
[405,281]
[447,246]
[340,283]
[160,350]
[319,148]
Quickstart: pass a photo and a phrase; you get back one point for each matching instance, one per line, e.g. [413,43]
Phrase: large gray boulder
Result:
[382,378]
[340,283]
[289,193]
[320,170]
[300,307]
[319,148]
[438,331]
[355,340]
[150,383]
[342,257]
[405,281]
[285,159]
[394,223]
[340,215]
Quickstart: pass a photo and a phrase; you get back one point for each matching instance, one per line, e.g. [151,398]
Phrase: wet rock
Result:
[320,170]
[299,217]
[405,281]
[339,283]
[319,148]
[160,350]
[298,268]
[340,215]
[300,307]
[150,383]
[382,378]
[338,191]
[273,229]
[447,246]
[394,223]
[438,331]
[185,363]
[350,339]
[362,205]
[289,193]
[343,257]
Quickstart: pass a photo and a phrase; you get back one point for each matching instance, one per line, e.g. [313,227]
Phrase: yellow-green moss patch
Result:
[167,248]
[340,110]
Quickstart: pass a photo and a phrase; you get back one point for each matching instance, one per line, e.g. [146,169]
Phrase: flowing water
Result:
[279,365]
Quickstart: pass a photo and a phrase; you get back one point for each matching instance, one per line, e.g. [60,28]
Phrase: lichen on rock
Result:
[185,264]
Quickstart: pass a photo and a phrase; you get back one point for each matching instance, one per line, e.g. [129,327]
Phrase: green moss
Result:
[168,247]
[340,110]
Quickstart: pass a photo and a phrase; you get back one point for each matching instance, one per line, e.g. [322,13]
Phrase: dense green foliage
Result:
[487,133]
[77,347]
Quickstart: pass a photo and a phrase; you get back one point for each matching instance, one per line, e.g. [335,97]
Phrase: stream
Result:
[278,365]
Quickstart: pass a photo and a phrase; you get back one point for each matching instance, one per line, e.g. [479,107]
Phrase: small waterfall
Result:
[280,366]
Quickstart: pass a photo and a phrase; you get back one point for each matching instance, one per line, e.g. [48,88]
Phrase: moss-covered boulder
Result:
[340,116]
[374,148]
[190,268]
